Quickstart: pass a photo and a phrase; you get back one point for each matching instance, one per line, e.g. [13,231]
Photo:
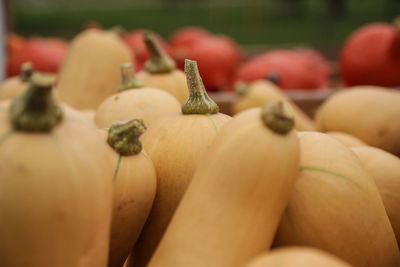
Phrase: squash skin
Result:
[347,139]
[366,112]
[90,72]
[263,91]
[134,188]
[385,169]
[149,104]
[336,207]
[225,204]
[297,257]
[62,207]
[175,144]
[12,87]
[173,82]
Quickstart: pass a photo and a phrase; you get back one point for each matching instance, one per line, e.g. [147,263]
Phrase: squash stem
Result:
[36,111]
[242,88]
[128,78]
[123,137]
[159,61]
[26,71]
[278,117]
[199,102]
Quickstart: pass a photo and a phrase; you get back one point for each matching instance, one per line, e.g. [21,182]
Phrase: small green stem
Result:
[123,137]
[36,111]
[159,62]
[273,77]
[241,88]
[199,102]
[278,117]
[129,80]
[26,71]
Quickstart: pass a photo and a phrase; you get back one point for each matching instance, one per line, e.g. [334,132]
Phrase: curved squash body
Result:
[297,257]
[336,207]
[148,104]
[175,145]
[385,169]
[366,112]
[90,72]
[261,92]
[134,191]
[173,82]
[347,139]
[232,207]
[56,195]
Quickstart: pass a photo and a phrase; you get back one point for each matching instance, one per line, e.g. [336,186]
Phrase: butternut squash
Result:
[160,71]
[55,184]
[134,188]
[347,139]
[336,207]
[175,144]
[232,207]
[297,257]
[366,112]
[135,101]
[90,72]
[261,92]
[385,169]
[15,86]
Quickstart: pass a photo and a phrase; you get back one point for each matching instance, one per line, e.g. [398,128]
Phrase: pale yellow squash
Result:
[55,184]
[347,139]
[369,113]
[160,71]
[134,184]
[297,257]
[336,207]
[175,144]
[385,169]
[90,72]
[135,101]
[261,92]
[231,209]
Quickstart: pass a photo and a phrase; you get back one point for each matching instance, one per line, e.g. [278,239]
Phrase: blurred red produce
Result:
[303,69]
[134,40]
[217,56]
[46,54]
[371,56]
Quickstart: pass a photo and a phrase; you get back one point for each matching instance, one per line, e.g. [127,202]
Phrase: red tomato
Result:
[46,54]
[294,70]
[371,56]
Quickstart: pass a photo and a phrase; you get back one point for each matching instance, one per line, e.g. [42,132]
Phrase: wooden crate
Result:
[308,101]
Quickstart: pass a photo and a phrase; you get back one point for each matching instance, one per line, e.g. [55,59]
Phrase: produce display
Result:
[128,149]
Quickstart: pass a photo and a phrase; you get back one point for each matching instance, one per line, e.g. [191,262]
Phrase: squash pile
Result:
[108,168]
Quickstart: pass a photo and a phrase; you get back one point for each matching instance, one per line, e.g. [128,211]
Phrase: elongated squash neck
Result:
[199,102]
[36,111]
[159,62]
[123,137]
[242,88]
[26,71]
[128,78]
[278,117]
